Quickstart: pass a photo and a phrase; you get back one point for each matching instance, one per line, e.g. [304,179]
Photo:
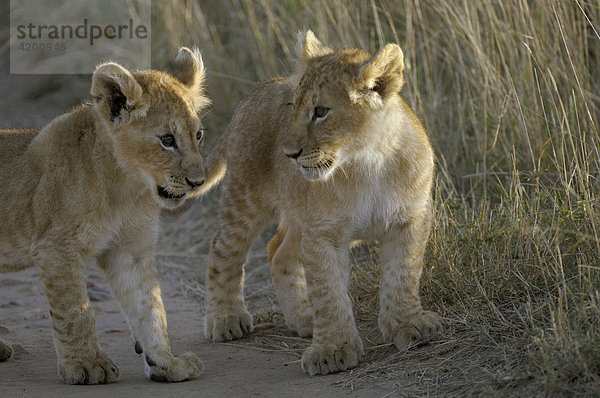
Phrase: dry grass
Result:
[509,92]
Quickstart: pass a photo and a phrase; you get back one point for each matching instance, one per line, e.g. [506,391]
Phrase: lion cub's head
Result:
[152,119]
[339,96]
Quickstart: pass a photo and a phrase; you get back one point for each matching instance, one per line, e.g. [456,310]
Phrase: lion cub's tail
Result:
[214,167]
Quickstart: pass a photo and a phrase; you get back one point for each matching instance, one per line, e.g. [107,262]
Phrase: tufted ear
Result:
[382,75]
[309,47]
[188,68]
[119,97]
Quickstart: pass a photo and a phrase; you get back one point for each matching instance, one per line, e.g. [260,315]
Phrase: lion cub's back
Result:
[13,144]
[16,183]
[258,121]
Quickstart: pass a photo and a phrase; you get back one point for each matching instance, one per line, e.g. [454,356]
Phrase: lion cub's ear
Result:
[119,97]
[188,68]
[381,76]
[309,47]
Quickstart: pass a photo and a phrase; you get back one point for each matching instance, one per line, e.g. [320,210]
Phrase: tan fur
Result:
[361,172]
[86,189]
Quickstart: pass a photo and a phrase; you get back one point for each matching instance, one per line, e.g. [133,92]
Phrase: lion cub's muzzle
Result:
[194,183]
[163,193]
[292,153]
[175,191]
[314,164]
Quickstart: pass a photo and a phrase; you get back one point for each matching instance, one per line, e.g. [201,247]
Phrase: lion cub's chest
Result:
[373,209]
[125,225]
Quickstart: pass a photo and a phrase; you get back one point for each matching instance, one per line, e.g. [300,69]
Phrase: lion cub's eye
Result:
[200,135]
[168,141]
[320,111]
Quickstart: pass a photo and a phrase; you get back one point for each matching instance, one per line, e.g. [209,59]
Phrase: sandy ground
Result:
[231,370]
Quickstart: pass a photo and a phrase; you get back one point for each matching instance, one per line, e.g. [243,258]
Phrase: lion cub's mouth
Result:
[323,165]
[168,195]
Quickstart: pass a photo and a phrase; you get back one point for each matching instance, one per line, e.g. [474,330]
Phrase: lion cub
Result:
[89,188]
[339,156]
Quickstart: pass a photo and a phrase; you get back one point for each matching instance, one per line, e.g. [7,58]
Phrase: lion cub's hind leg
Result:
[289,279]
[5,351]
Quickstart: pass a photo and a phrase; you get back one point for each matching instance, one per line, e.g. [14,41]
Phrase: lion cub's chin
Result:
[321,172]
[316,173]
[171,204]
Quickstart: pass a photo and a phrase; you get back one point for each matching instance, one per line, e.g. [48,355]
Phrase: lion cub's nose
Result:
[194,184]
[291,154]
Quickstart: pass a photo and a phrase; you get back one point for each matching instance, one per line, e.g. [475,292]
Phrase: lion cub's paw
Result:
[228,327]
[5,351]
[183,367]
[322,359]
[421,327]
[100,370]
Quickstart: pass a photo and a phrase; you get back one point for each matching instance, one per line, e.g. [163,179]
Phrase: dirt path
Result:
[231,370]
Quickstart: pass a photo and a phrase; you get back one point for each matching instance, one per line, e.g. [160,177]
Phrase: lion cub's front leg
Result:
[336,344]
[80,360]
[289,279]
[402,319]
[134,281]
[227,317]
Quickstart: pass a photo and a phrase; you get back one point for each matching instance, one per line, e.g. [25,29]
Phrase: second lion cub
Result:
[339,156]
[88,188]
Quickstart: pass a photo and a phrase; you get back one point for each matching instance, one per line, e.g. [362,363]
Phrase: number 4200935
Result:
[42,46]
